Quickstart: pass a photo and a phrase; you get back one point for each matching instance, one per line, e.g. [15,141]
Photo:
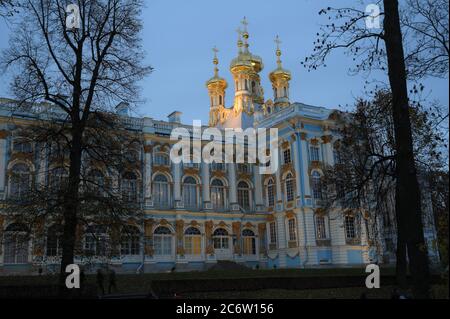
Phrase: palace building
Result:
[196,215]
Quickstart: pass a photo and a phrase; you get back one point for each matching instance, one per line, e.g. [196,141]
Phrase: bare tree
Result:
[383,49]
[83,69]
[364,176]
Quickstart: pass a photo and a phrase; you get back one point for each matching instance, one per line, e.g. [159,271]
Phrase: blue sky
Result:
[179,35]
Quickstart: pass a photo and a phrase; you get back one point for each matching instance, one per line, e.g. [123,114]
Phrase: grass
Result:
[131,283]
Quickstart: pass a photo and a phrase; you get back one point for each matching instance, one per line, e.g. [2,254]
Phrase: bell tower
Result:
[280,80]
[216,91]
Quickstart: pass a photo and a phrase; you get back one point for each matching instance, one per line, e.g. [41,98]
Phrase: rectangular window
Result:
[292,230]
[287,156]
[273,233]
[320,227]
[289,190]
[314,153]
[349,224]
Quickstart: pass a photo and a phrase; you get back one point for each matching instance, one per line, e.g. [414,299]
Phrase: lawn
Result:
[141,284]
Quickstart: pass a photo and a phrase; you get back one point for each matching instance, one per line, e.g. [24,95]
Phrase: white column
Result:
[205,186]
[297,169]
[176,169]
[148,174]
[258,189]
[232,184]
[328,151]
[3,152]
[42,166]
[279,201]
[281,236]
[305,164]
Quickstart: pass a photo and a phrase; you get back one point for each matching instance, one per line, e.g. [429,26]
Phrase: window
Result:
[20,180]
[192,241]
[217,194]
[161,191]
[220,239]
[162,241]
[22,146]
[270,193]
[292,229]
[316,187]
[97,182]
[314,153]
[129,186]
[130,241]
[58,178]
[320,227]
[287,156]
[289,187]
[249,241]
[243,192]
[16,242]
[96,241]
[275,92]
[190,192]
[349,224]
[220,99]
[273,232]
[243,168]
[217,166]
[285,91]
[53,247]
[162,159]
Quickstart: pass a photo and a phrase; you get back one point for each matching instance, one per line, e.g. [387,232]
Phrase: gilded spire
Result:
[245,33]
[278,51]
[215,62]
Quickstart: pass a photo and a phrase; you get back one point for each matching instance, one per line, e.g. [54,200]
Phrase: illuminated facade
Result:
[198,214]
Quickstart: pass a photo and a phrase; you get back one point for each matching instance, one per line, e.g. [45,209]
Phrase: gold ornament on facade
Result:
[303,135]
[290,214]
[236,226]
[320,211]
[270,218]
[148,148]
[327,139]
[161,169]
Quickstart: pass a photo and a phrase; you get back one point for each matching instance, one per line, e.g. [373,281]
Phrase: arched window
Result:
[292,229]
[192,241]
[269,109]
[20,180]
[321,232]
[96,240]
[16,241]
[249,242]
[190,193]
[349,224]
[130,241]
[217,194]
[221,239]
[53,245]
[243,192]
[220,99]
[289,187]
[129,186]
[270,193]
[246,84]
[316,187]
[162,159]
[285,91]
[161,191]
[162,241]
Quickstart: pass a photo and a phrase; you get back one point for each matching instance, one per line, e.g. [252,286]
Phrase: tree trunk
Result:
[71,206]
[409,203]
[401,263]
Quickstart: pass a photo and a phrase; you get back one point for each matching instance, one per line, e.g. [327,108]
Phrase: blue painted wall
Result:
[354,256]
[324,255]
[293,262]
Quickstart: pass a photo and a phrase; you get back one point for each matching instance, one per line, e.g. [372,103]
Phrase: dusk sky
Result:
[179,35]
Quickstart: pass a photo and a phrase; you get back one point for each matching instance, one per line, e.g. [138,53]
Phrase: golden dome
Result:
[279,72]
[216,81]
